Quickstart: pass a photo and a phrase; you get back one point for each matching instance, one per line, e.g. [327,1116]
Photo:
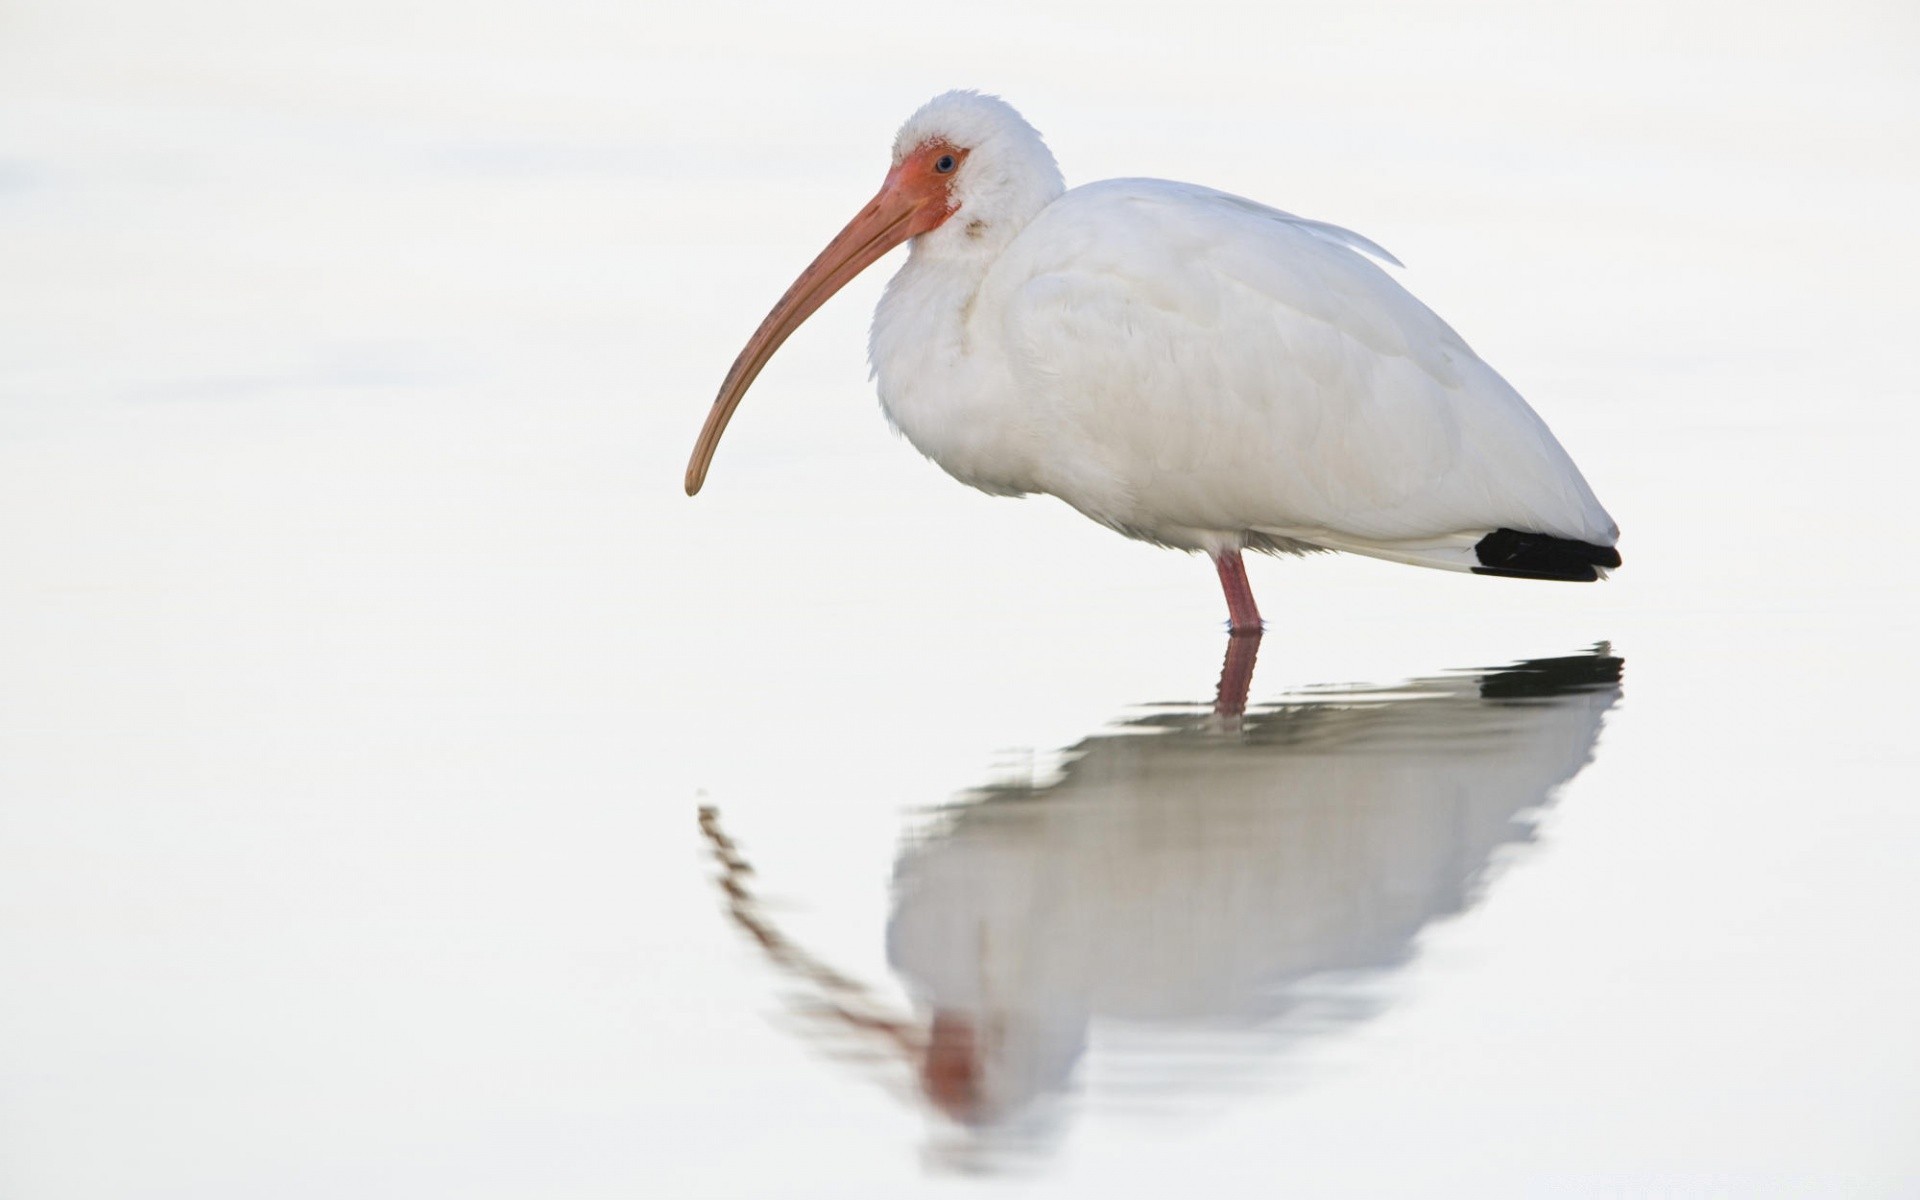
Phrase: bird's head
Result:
[1003,177]
[968,172]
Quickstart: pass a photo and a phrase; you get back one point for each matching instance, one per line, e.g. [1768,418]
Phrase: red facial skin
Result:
[915,199]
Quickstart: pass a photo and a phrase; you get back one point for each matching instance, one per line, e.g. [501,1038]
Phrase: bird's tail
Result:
[1509,552]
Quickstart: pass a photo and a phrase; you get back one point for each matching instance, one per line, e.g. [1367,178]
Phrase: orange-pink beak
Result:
[914,199]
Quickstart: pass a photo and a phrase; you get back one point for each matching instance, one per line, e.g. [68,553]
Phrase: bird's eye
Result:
[945,164]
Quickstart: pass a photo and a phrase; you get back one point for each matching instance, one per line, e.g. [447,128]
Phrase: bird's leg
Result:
[1243,642]
[1236,676]
[1243,616]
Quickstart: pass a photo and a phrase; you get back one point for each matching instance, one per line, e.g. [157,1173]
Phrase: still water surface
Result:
[1213,886]
[406,791]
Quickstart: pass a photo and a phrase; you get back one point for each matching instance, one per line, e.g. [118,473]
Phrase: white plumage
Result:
[1185,366]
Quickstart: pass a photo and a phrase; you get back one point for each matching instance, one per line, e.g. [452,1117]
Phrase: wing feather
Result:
[1200,362]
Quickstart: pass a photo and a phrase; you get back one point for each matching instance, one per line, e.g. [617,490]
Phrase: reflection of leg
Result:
[1236,674]
[1243,616]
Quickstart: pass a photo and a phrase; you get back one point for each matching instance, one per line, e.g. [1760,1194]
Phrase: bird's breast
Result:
[941,368]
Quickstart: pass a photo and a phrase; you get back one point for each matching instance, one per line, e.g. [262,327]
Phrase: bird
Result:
[1185,366]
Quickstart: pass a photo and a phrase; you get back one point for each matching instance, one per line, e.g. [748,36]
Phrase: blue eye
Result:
[946,164]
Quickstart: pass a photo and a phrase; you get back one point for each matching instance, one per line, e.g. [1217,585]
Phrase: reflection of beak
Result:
[898,212]
[950,1074]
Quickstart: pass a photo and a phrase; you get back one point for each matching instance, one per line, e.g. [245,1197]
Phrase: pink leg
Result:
[1243,615]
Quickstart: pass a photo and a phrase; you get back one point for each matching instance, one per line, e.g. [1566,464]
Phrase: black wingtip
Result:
[1518,555]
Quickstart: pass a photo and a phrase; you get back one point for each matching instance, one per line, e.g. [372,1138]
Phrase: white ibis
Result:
[1184,366]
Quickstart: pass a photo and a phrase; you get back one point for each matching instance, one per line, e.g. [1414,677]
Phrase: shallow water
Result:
[1239,878]
[405,790]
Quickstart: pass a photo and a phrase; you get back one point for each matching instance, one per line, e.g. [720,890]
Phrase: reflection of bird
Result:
[1180,877]
[1187,367]
[1173,875]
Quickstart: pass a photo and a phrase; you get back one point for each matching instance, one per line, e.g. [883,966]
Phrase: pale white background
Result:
[362,664]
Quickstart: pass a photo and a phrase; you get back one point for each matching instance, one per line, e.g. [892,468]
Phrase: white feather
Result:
[1198,370]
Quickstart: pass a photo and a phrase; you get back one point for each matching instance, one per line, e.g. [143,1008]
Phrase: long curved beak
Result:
[891,217]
